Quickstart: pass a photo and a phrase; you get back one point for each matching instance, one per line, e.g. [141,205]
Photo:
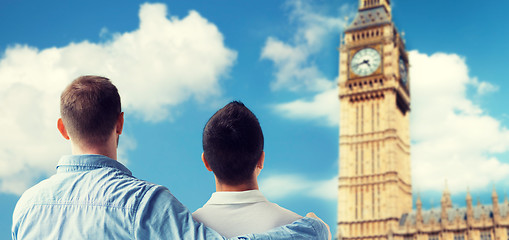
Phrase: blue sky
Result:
[176,62]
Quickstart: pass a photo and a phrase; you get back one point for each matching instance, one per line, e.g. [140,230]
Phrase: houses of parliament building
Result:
[375,189]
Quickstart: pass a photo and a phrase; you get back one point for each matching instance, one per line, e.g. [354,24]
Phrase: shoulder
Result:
[37,194]
[201,213]
[103,187]
[138,193]
[283,212]
[116,187]
[32,195]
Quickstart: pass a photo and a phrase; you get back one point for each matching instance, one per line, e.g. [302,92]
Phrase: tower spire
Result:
[418,218]
[494,193]
[444,204]
[470,208]
[496,209]
[446,201]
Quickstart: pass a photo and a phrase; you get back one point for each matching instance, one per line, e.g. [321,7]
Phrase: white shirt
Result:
[237,213]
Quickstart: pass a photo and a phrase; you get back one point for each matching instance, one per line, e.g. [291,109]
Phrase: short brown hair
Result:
[90,107]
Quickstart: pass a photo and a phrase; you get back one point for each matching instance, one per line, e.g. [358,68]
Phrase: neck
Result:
[108,149]
[222,187]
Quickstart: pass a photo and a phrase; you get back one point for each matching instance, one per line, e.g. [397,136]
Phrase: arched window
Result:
[356,204]
[486,235]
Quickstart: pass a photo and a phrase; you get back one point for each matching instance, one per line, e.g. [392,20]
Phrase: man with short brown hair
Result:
[90,108]
[93,196]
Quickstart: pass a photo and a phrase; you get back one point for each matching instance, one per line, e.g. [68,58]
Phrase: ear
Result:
[261,161]
[120,123]
[205,162]
[61,129]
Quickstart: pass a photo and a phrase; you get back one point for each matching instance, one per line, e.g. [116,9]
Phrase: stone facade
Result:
[480,222]
[375,191]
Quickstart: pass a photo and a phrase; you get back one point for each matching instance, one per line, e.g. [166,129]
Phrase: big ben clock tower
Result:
[374,143]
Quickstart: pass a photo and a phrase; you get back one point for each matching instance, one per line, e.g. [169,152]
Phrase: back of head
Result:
[233,143]
[90,107]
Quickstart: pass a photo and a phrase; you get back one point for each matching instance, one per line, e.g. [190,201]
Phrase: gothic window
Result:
[372,159]
[356,204]
[373,117]
[362,161]
[459,236]
[362,203]
[357,119]
[378,200]
[378,157]
[362,119]
[356,160]
[373,202]
[433,236]
[378,115]
[486,235]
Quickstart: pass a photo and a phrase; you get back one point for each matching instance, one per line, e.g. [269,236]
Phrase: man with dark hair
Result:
[233,150]
[92,196]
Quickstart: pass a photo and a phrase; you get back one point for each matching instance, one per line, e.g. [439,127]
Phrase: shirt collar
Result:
[251,196]
[87,162]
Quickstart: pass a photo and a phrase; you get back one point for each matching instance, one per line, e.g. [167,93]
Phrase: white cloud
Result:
[484,87]
[165,62]
[126,144]
[453,138]
[295,69]
[287,185]
[104,32]
[324,107]
[293,72]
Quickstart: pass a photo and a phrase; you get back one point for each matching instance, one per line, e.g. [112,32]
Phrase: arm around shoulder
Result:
[162,216]
[305,228]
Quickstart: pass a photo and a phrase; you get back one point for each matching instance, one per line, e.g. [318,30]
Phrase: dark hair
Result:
[233,143]
[90,107]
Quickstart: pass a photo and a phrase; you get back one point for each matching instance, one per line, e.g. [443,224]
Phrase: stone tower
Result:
[374,144]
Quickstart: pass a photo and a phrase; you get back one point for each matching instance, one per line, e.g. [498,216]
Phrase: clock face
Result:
[365,62]
[403,71]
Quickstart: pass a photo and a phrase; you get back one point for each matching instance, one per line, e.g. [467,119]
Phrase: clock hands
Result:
[365,61]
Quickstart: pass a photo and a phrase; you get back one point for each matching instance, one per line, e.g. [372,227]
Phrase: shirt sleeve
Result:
[161,216]
[305,228]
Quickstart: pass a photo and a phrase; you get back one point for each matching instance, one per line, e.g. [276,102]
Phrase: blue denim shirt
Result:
[96,197]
